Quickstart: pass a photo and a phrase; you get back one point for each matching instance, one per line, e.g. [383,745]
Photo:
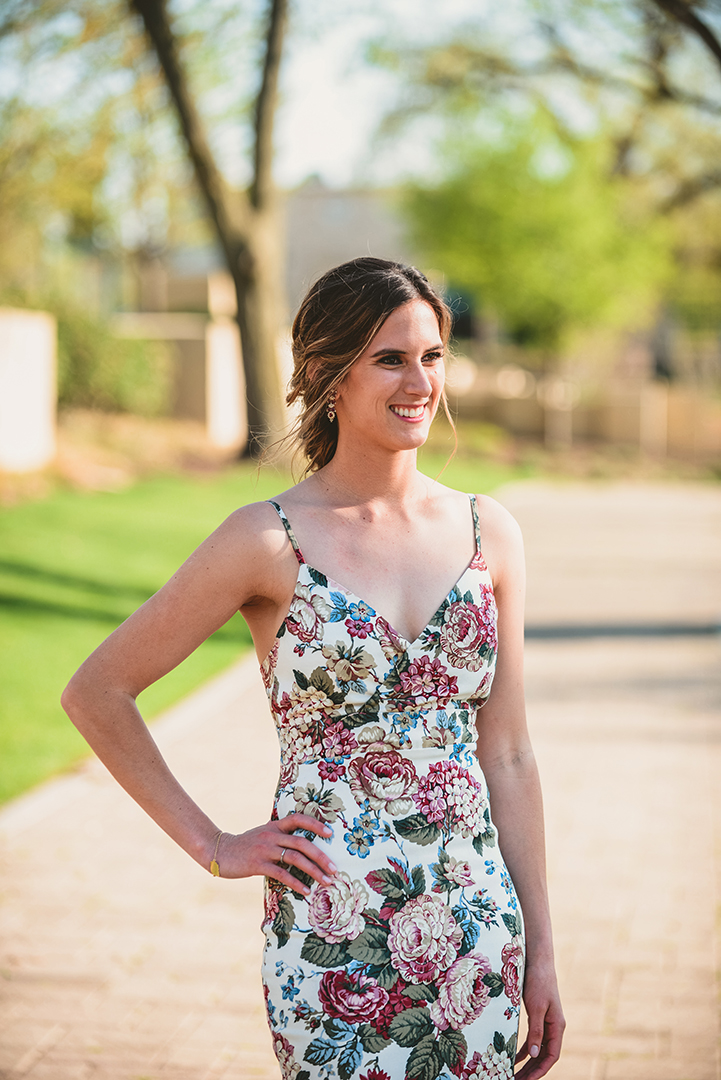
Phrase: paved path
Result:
[121,960]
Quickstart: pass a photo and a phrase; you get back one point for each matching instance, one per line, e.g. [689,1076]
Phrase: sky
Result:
[334,100]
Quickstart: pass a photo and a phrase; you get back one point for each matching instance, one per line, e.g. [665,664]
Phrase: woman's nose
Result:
[417,379]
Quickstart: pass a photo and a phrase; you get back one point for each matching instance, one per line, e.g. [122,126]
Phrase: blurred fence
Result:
[653,416]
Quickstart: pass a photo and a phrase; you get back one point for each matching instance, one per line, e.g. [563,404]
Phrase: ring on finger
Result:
[281,861]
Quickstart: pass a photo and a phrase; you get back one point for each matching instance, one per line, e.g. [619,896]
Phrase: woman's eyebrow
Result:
[402,352]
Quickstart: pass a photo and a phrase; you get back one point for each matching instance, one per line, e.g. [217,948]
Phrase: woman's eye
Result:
[393,361]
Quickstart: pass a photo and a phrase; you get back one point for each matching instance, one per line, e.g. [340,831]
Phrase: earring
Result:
[331,405]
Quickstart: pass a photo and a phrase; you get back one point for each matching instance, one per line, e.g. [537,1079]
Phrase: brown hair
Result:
[339,317]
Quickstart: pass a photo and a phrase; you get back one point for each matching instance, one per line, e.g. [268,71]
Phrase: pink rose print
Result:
[462,993]
[384,777]
[307,614]
[272,905]
[397,1002]
[424,939]
[466,628]
[375,1074]
[512,969]
[284,1051]
[390,642]
[268,666]
[449,796]
[335,911]
[351,996]
[428,680]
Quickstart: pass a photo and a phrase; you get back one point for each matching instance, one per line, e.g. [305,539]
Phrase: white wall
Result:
[28,389]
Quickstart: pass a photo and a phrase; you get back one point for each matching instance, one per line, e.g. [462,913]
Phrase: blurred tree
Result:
[634,93]
[90,157]
[533,229]
[246,226]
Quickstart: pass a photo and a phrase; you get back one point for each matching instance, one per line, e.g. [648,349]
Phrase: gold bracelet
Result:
[214,868]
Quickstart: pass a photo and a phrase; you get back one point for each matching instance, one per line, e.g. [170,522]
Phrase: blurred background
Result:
[173,177]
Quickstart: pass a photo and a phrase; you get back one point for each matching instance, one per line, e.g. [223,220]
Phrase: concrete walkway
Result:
[122,960]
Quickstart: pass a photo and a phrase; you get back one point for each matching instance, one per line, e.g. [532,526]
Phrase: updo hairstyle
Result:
[339,317]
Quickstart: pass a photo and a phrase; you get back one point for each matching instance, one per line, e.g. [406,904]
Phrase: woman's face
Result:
[392,391]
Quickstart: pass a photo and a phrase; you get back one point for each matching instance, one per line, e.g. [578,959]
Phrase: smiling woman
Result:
[406,915]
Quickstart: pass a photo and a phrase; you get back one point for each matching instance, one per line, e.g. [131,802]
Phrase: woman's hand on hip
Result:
[274,849]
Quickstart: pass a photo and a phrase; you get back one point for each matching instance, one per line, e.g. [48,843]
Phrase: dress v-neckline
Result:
[477,556]
[401,637]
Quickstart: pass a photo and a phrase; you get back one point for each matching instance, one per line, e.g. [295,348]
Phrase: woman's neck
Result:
[371,477]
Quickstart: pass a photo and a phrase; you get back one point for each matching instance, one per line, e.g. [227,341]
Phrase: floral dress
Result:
[409,965]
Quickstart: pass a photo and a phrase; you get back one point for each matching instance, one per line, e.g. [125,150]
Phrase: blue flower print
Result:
[290,990]
[361,612]
[340,606]
[490,867]
[508,886]
[358,841]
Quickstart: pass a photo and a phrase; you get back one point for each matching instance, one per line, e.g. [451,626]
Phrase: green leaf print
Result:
[494,982]
[408,1028]
[511,1047]
[320,1052]
[453,1048]
[417,829]
[349,1061]
[321,680]
[468,597]
[513,923]
[387,883]
[371,946]
[366,714]
[324,953]
[421,992]
[419,881]
[373,1043]
[284,921]
[425,1061]
[301,679]
[338,1030]
[387,976]
[318,578]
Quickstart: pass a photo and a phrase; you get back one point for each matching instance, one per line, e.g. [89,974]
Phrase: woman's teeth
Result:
[410,413]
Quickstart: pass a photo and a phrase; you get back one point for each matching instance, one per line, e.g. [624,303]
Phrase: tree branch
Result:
[683,13]
[154,14]
[691,189]
[261,191]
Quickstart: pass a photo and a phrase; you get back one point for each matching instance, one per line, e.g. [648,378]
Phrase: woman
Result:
[395,942]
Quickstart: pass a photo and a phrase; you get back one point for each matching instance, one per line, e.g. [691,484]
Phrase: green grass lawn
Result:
[75,564]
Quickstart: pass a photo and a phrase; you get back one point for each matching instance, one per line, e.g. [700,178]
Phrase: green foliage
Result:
[535,230]
[97,370]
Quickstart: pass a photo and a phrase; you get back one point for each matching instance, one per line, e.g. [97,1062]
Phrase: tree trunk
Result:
[246,227]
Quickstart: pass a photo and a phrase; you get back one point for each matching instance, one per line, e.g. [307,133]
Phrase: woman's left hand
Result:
[546,1022]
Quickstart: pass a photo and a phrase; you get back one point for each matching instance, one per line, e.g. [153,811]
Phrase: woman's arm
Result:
[506,757]
[246,563]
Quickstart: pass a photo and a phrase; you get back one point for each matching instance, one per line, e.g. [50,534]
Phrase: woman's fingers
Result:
[295,857]
[276,849]
[303,821]
[543,1043]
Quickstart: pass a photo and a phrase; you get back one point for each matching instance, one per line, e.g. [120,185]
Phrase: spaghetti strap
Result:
[289,530]
[476,523]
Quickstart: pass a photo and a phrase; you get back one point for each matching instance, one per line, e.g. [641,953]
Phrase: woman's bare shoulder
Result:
[496,521]
[250,543]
